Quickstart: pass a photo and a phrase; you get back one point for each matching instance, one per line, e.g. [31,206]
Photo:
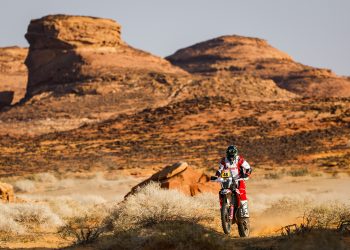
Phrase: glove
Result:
[218,173]
[248,173]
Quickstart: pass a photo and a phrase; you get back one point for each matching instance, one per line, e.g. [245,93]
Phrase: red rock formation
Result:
[239,55]
[66,49]
[13,74]
[182,177]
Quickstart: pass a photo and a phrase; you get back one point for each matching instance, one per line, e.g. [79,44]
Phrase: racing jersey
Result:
[238,167]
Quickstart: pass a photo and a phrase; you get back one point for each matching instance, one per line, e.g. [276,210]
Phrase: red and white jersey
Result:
[235,167]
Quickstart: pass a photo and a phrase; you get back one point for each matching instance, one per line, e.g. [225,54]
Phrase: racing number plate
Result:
[226,174]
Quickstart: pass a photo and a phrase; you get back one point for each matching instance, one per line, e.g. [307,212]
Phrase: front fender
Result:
[225,195]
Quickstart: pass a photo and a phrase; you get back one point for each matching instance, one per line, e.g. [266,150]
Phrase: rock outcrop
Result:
[182,177]
[13,74]
[239,55]
[66,49]
[6,192]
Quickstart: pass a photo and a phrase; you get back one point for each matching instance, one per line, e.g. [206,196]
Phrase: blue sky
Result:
[314,32]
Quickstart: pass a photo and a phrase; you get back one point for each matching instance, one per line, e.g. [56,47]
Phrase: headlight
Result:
[226,183]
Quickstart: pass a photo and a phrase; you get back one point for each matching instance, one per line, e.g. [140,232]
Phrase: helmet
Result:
[231,152]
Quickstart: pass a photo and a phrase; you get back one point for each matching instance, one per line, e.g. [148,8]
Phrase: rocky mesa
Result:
[238,55]
[66,49]
[81,71]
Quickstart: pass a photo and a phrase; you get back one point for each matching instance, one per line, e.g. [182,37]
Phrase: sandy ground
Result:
[109,190]
[277,203]
[272,201]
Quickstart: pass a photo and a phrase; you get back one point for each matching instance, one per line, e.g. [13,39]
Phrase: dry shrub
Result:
[87,227]
[24,186]
[299,172]
[147,208]
[45,177]
[9,225]
[153,205]
[327,216]
[73,206]
[21,217]
[273,176]
[171,235]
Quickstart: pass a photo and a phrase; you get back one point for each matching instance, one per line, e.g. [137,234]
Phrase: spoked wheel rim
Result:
[243,227]
[225,219]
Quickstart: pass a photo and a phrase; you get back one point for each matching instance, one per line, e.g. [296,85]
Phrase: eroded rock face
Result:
[181,177]
[6,192]
[67,49]
[67,32]
[13,75]
[239,55]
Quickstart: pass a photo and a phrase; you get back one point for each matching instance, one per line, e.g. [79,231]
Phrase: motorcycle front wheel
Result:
[243,227]
[225,217]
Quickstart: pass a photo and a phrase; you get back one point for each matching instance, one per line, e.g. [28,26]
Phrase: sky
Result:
[313,32]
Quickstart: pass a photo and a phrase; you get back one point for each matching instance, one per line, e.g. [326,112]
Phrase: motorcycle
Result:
[230,204]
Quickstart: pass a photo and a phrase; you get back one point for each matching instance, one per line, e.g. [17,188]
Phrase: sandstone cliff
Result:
[13,75]
[239,55]
[66,49]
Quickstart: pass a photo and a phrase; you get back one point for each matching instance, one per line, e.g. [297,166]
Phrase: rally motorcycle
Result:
[230,205]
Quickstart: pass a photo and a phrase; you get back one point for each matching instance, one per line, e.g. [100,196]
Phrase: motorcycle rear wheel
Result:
[243,227]
[225,218]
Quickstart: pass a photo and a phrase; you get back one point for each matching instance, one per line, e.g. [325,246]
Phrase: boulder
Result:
[182,177]
[6,192]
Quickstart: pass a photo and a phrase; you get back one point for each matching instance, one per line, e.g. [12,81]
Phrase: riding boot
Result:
[244,209]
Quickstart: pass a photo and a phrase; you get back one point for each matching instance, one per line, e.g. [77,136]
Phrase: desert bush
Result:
[274,176]
[298,172]
[86,227]
[9,225]
[321,217]
[171,235]
[45,177]
[153,205]
[20,217]
[327,216]
[24,186]
[73,206]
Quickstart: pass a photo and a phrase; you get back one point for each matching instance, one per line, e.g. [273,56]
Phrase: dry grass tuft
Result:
[328,216]
[153,205]
[299,172]
[87,227]
[179,235]
[24,186]
[20,218]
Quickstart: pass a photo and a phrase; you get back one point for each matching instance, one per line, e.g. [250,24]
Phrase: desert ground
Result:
[85,118]
[274,200]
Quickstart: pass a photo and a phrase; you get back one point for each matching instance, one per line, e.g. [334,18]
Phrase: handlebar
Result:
[219,179]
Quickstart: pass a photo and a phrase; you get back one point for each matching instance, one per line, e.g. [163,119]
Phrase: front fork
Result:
[231,211]
[235,198]
[229,201]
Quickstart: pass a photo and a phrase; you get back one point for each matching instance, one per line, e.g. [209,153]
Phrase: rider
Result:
[239,169]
